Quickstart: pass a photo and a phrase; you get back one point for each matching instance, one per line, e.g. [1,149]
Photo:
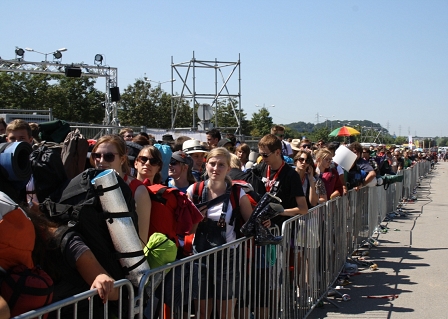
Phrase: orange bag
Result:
[17,235]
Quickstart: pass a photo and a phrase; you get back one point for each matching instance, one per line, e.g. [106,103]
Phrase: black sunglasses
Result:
[173,162]
[301,159]
[264,155]
[306,145]
[108,157]
[152,161]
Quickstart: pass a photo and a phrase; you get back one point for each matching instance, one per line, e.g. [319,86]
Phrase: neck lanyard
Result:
[268,183]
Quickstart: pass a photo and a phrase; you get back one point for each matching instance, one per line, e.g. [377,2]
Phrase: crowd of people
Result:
[302,174]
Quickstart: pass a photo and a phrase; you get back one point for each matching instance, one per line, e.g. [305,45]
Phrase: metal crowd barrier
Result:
[56,309]
[283,281]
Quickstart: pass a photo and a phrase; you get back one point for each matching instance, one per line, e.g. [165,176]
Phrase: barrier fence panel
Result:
[125,308]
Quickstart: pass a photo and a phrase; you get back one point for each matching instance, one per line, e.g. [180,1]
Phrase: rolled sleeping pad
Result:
[15,162]
[122,230]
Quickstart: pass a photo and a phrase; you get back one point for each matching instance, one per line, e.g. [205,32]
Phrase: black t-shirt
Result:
[289,187]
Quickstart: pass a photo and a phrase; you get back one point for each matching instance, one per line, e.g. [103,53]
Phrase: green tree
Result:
[72,99]
[143,105]
[261,123]
[226,112]
[321,134]
[76,100]
[400,140]
[24,91]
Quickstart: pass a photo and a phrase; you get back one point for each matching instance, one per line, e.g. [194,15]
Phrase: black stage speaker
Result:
[115,94]
[72,72]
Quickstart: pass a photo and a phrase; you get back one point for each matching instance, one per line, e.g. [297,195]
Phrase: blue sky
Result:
[384,61]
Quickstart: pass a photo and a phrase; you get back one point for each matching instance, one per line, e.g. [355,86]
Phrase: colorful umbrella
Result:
[344,131]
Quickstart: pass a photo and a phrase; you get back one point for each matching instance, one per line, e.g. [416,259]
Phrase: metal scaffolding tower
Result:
[221,91]
[53,68]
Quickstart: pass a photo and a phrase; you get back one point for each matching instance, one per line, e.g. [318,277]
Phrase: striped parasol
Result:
[344,131]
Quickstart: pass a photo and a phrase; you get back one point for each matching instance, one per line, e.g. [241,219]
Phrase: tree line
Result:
[141,104]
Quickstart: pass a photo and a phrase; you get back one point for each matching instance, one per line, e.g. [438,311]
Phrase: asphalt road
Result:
[412,258]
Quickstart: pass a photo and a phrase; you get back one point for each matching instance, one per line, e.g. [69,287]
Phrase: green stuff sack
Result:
[160,250]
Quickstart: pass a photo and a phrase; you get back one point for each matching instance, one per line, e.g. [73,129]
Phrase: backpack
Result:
[23,287]
[48,172]
[79,207]
[54,131]
[17,235]
[74,153]
[166,152]
[160,250]
[26,289]
[178,211]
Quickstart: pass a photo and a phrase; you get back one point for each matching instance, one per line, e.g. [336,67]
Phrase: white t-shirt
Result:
[214,213]
[286,148]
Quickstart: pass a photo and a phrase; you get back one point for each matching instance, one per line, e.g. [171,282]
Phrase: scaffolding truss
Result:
[186,72]
[53,68]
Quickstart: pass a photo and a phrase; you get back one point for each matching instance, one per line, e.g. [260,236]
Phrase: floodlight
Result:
[57,55]
[98,59]
[20,52]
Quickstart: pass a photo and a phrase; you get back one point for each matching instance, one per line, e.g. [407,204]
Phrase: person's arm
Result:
[96,276]
[313,197]
[4,309]
[370,176]
[301,209]
[245,207]
[143,209]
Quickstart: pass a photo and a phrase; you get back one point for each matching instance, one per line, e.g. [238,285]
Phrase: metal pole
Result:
[194,92]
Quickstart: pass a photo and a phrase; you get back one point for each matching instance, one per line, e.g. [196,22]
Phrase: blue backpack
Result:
[166,152]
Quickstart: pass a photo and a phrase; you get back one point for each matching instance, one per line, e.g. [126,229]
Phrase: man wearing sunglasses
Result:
[279,132]
[306,145]
[280,179]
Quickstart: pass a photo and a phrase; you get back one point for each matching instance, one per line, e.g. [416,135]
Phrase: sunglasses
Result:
[301,159]
[306,145]
[173,162]
[108,157]
[152,161]
[264,155]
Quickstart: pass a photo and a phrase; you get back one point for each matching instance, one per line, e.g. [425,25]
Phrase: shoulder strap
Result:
[235,202]
[197,191]
[158,196]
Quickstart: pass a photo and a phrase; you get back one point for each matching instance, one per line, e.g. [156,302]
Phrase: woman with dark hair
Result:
[110,152]
[148,165]
[312,184]
[179,171]
[243,151]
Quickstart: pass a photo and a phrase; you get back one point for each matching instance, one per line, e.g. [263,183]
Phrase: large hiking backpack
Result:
[178,212]
[80,208]
[48,172]
[74,153]
[54,131]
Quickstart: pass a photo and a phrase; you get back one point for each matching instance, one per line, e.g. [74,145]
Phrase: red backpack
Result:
[172,213]
[26,289]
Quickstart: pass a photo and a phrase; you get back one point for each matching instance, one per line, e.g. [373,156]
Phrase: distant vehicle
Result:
[442,149]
